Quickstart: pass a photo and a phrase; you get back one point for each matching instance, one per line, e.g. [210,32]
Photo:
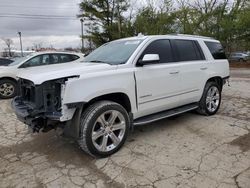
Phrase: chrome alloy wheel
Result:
[108,130]
[213,99]
[6,89]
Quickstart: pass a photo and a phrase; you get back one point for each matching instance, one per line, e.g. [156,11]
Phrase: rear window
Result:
[188,50]
[216,50]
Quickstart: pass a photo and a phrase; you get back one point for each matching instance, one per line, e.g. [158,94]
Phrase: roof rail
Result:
[196,36]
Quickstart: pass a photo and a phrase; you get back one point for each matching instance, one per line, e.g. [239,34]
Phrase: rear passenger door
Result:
[192,69]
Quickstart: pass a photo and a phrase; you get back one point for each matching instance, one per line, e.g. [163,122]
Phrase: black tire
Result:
[88,121]
[203,108]
[9,82]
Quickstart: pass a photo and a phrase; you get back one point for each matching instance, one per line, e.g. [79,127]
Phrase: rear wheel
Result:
[211,99]
[103,129]
[8,89]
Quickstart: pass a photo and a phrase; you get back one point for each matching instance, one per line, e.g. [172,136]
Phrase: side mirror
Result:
[149,59]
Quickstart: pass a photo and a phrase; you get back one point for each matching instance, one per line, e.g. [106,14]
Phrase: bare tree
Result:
[8,43]
[37,46]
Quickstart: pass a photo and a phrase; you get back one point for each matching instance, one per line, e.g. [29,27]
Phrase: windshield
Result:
[114,53]
[20,59]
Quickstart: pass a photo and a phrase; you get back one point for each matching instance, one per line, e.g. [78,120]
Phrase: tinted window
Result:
[188,50]
[216,50]
[161,47]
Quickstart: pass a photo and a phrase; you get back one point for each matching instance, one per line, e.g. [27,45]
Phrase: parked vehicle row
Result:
[128,82]
[5,61]
[9,70]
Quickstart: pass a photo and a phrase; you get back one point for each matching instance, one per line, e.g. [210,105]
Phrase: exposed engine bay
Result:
[40,106]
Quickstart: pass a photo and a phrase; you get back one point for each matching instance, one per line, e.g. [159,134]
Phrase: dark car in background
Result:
[5,61]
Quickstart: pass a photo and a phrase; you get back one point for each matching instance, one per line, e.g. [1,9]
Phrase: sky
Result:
[48,31]
[22,15]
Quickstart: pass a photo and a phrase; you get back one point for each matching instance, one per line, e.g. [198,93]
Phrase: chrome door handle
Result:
[203,68]
[175,72]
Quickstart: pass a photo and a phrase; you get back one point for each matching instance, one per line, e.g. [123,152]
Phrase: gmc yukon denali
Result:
[124,83]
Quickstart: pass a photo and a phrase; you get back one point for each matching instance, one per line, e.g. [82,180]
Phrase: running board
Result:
[164,114]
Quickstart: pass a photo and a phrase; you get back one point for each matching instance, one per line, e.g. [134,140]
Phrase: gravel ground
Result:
[184,151]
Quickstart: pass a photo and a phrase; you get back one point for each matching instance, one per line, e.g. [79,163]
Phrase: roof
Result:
[57,52]
[174,36]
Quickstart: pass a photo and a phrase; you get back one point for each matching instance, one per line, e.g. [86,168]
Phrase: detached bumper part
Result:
[34,119]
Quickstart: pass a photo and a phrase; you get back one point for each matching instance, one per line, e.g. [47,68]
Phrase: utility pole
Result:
[81,20]
[20,36]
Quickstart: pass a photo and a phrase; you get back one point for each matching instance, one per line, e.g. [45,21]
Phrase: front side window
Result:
[216,50]
[35,61]
[114,53]
[162,48]
[187,50]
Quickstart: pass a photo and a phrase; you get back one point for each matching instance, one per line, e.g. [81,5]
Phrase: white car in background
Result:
[8,79]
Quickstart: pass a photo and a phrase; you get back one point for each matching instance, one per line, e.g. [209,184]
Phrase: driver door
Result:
[158,83]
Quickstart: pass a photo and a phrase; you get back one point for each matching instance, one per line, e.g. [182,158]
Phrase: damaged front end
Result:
[41,106]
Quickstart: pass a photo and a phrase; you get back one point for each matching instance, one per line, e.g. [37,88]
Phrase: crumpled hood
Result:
[41,74]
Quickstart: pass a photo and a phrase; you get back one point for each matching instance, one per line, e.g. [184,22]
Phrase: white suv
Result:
[8,79]
[132,81]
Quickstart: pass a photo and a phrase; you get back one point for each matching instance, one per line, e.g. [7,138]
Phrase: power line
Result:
[38,18]
[51,3]
[37,15]
[33,7]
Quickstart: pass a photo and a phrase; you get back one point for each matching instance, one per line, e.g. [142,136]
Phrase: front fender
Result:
[93,85]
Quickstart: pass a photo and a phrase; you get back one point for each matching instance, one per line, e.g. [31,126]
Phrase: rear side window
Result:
[188,50]
[161,47]
[64,58]
[74,57]
[216,50]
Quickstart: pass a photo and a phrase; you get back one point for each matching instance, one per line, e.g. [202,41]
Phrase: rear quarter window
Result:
[216,50]
[74,57]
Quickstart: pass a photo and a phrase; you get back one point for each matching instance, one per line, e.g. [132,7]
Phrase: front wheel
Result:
[210,100]
[8,89]
[103,128]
